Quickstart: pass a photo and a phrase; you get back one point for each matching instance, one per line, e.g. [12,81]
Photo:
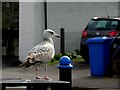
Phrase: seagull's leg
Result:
[36,72]
[46,77]
[37,77]
[45,70]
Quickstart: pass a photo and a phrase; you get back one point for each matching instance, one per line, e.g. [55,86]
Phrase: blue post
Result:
[65,69]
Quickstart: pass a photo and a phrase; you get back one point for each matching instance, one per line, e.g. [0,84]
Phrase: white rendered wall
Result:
[31,26]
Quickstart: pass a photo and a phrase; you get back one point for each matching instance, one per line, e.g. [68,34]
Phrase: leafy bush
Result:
[73,55]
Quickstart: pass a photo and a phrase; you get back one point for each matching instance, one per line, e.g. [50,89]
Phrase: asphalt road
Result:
[81,78]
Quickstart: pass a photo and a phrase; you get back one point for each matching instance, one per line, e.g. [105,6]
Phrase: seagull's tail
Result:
[27,64]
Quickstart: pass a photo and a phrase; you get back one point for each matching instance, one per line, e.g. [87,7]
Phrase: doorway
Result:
[10,31]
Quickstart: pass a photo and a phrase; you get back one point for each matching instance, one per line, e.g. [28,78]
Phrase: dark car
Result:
[98,27]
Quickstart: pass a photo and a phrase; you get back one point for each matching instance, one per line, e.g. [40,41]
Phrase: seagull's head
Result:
[48,33]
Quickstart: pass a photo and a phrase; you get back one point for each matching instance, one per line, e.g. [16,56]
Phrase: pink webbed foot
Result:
[37,77]
[47,78]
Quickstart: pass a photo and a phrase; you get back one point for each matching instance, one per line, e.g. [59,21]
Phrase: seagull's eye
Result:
[51,33]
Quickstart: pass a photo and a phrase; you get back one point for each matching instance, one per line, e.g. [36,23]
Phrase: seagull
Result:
[43,52]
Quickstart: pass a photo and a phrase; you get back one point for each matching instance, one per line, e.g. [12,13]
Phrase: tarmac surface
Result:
[81,77]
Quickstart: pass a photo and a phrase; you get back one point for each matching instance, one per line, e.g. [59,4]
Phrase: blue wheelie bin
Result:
[99,54]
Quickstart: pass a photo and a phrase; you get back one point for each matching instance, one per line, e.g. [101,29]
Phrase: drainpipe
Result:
[119,8]
[45,13]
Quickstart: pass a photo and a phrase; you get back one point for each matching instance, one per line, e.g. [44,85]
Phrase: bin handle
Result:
[115,38]
[112,44]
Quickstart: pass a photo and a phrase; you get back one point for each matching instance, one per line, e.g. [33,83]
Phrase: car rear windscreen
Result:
[100,24]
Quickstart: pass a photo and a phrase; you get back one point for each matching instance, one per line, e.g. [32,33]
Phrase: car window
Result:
[102,24]
[114,24]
